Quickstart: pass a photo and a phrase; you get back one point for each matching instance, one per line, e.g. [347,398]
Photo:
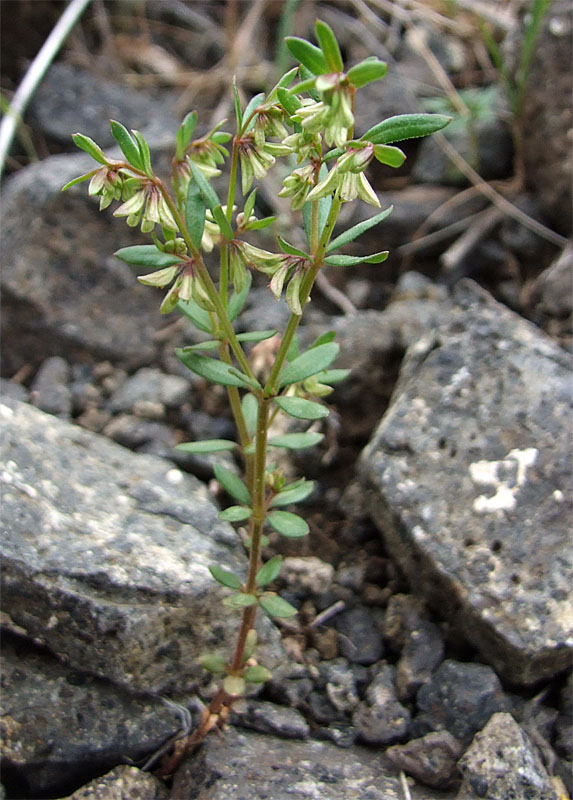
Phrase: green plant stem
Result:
[232,178]
[224,274]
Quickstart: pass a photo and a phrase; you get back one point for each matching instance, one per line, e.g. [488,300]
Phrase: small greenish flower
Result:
[147,206]
[348,176]
[297,185]
[269,122]
[256,160]
[333,112]
[108,184]
[306,145]
[185,285]
[282,269]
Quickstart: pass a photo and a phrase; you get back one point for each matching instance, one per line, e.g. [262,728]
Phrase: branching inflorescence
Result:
[310,126]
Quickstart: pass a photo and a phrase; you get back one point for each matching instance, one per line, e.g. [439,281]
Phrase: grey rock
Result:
[468,477]
[249,766]
[341,687]
[106,555]
[304,575]
[290,685]
[323,711]
[460,698]
[145,435]
[338,733]
[382,719]
[502,763]
[60,726]
[83,303]
[50,389]
[552,291]
[153,386]
[564,728]
[122,783]
[270,718]
[431,760]
[360,638]
[13,390]
[71,99]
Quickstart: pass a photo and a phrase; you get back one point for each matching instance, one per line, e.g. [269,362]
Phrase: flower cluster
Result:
[147,206]
[332,113]
[257,158]
[348,176]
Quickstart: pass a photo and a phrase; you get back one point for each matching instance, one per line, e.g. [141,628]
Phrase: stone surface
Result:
[122,783]
[270,718]
[501,763]
[304,575]
[469,480]
[61,727]
[432,759]
[360,639]
[254,767]
[50,389]
[548,116]
[382,719]
[106,555]
[460,698]
[63,292]
[71,99]
[151,386]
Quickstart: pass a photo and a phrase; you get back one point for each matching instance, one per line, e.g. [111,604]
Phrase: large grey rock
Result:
[60,727]
[502,763]
[255,767]
[469,480]
[63,292]
[106,554]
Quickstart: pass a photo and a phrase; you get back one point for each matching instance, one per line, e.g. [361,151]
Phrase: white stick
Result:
[35,73]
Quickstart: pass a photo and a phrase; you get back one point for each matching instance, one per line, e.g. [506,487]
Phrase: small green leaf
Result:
[309,56]
[91,147]
[80,179]
[147,255]
[144,153]
[269,571]
[240,600]
[211,344]
[389,155]
[331,376]
[232,484]
[211,368]
[209,194]
[293,351]
[234,685]
[351,261]
[195,213]
[238,112]
[253,103]
[295,493]
[324,338]
[223,223]
[225,578]
[288,101]
[287,524]
[256,336]
[405,126]
[260,224]
[207,446]
[367,71]
[184,134]
[275,606]
[250,409]
[302,409]
[357,230]
[329,46]
[249,206]
[127,144]
[198,316]
[215,664]
[314,360]
[237,299]
[296,441]
[250,644]
[258,674]
[289,249]
[235,514]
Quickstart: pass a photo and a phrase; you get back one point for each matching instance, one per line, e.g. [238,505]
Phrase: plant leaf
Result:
[269,571]
[296,441]
[143,148]
[288,524]
[240,600]
[195,213]
[91,147]
[293,495]
[334,375]
[209,194]
[234,685]
[329,46]
[225,578]
[250,409]
[223,223]
[260,224]
[405,126]
[80,179]
[275,606]
[235,514]
[211,368]
[357,230]
[324,338]
[314,360]
[212,663]
[289,249]
[253,103]
[198,316]
[238,112]
[207,446]
[256,336]
[309,56]
[232,484]
[371,69]
[302,409]
[350,261]
[127,144]
[257,674]
[147,255]
[184,134]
